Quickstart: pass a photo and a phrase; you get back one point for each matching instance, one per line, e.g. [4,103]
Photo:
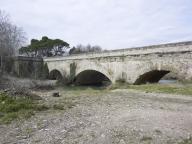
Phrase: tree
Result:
[84,49]
[11,36]
[45,47]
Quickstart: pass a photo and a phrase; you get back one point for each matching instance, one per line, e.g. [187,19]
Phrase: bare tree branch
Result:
[11,36]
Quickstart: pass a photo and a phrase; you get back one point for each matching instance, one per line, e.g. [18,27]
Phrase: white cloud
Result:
[109,23]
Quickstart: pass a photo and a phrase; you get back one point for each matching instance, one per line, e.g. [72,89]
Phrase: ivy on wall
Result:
[73,67]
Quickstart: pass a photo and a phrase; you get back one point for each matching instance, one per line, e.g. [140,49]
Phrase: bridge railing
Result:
[164,48]
[187,43]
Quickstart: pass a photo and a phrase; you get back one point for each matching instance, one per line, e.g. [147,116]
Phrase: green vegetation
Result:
[64,106]
[18,108]
[146,138]
[187,141]
[45,47]
[84,90]
[159,88]
[12,108]
[187,90]
[184,89]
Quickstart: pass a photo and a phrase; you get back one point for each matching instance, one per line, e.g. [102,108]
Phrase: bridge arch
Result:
[155,73]
[152,76]
[55,74]
[92,77]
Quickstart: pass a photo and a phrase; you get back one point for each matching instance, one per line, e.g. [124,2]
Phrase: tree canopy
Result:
[45,47]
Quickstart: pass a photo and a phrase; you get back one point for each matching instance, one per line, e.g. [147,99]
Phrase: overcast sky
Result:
[112,24]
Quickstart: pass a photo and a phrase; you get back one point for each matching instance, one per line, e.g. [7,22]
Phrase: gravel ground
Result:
[110,117]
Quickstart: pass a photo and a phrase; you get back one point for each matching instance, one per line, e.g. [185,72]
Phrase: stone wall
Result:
[24,67]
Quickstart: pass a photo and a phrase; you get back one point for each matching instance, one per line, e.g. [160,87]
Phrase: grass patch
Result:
[186,141]
[159,88]
[146,138]
[181,88]
[185,90]
[58,107]
[64,105]
[84,90]
[14,108]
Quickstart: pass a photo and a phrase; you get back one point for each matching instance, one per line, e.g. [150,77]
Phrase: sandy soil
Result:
[112,117]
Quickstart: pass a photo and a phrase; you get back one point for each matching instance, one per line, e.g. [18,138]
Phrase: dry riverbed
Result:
[93,116]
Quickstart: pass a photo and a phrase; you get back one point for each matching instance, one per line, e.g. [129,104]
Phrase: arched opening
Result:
[92,77]
[55,75]
[151,77]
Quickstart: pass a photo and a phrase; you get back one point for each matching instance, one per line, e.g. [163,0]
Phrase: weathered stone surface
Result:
[134,65]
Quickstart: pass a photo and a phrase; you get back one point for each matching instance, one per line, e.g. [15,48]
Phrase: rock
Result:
[122,141]
[56,94]
[6,90]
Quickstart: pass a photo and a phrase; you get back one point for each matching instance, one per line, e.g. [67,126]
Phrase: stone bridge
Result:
[134,65]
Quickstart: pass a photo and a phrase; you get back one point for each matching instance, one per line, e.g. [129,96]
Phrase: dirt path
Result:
[117,116]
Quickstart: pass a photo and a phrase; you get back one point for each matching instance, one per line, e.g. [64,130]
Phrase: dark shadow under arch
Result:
[151,77]
[55,75]
[91,77]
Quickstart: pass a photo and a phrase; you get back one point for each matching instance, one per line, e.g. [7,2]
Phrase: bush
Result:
[12,108]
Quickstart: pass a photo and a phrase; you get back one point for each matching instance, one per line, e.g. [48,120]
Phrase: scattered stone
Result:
[129,119]
[63,131]
[103,135]
[22,137]
[122,141]
[6,90]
